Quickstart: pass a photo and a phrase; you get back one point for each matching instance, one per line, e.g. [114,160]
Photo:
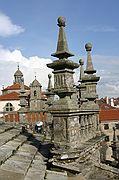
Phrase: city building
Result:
[10,98]
[109,119]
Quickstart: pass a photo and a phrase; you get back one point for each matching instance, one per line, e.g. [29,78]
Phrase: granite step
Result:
[8,135]
[4,128]
[9,148]
[55,175]
[19,156]
[37,169]
[21,161]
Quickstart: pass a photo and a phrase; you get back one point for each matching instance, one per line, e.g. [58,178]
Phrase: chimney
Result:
[107,100]
[112,102]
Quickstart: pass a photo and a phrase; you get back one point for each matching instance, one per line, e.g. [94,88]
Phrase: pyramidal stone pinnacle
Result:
[62,46]
[81,62]
[89,65]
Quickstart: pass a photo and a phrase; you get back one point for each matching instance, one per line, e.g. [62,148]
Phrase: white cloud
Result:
[106,66]
[114,88]
[7,28]
[8,66]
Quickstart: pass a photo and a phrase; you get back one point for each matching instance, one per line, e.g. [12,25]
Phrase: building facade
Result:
[109,119]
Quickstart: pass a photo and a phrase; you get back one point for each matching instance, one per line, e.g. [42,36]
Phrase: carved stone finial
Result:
[61,21]
[62,51]
[81,62]
[49,82]
[49,76]
[89,66]
[88,46]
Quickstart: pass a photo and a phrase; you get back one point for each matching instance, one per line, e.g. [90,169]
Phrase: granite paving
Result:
[20,158]
[23,156]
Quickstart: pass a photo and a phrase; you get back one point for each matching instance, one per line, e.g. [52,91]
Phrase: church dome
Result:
[18,73]
[36,83]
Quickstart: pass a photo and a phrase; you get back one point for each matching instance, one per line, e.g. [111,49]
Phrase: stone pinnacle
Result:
[81,62]
[49,82]
[89,66]
[62,51]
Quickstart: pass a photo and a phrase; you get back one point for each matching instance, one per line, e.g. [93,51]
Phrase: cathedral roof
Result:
[18,72]
[16,86]
[10,96]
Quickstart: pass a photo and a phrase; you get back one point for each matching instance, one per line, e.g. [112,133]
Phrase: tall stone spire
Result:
[81,62]
[63,81]
[49,93]
[22,95]
[89,66]
[89,81]
[64,111]
[62,46]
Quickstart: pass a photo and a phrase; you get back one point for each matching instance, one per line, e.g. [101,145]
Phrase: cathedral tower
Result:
[35,96]
[18,75]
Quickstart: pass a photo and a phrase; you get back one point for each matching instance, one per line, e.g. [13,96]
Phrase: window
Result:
[107,138]
[106,126]
[35,93]
[8,107]
[117,126]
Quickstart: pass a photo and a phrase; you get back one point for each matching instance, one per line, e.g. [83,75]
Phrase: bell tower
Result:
[35,96]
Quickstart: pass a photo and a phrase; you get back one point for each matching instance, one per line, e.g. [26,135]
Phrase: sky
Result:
[29,33]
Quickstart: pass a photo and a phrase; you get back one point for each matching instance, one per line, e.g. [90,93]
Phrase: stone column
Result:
[83,137]
[90,126]
[86,127]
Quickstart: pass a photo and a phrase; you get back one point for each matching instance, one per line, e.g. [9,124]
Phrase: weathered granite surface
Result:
[19,155]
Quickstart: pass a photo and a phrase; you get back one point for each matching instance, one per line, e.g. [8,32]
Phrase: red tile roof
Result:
[10,96]
[109,115]
[15,87]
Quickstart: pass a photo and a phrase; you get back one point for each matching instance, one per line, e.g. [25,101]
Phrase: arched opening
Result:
[35,93]
[9,107]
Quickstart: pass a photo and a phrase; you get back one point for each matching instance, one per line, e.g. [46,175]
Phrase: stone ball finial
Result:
[49,76]
[81,62]
[88,46]
[61,21]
